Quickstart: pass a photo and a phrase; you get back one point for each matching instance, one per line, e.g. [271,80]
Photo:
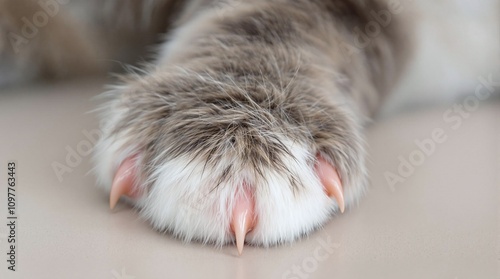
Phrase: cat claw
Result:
[243,218]
[123,182]
[331,181]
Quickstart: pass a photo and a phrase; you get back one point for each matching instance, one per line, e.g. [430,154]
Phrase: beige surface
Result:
[442,222]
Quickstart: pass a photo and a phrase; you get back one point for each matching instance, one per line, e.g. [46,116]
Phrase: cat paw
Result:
[219,162]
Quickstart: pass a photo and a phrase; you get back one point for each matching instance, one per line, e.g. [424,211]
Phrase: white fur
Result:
[181,199]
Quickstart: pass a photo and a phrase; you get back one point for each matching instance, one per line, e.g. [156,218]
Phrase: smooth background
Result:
[443,221]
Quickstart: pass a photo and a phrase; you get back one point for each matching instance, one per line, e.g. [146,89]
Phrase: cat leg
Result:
[55,39]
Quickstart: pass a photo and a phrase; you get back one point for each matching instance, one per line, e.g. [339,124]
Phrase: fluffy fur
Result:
[240,94]
[248,100]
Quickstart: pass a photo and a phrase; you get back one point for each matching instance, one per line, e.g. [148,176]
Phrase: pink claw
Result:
[243,217]
[331,181]
[124,182]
